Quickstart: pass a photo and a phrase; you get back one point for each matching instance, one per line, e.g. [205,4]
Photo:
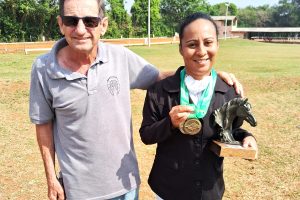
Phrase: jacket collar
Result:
[172,83]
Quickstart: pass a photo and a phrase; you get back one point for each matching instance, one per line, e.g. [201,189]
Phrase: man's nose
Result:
[80,28]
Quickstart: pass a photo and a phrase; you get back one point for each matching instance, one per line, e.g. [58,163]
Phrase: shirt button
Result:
[197,162]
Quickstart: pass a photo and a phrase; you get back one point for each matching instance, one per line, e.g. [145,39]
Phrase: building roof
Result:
[223,18]
[268,30]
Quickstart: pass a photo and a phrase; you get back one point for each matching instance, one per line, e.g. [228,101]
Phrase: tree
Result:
[139,17]
[119,20]
[14,13]
[156,23]
[287,13]
[220,9]
[297,10]
[28,20]
[174,11]
[255,17]
[48,11]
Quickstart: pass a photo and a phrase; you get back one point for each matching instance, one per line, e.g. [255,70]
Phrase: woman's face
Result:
[199,47]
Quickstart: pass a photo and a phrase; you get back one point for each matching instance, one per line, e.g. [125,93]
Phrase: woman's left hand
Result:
[230,79]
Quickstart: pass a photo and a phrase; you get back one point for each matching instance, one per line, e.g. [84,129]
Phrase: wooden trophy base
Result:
[229,150]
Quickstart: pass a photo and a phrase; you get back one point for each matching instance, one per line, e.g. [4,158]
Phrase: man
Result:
[80,103]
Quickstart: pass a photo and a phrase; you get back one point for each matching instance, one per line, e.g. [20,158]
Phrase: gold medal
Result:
[190,126]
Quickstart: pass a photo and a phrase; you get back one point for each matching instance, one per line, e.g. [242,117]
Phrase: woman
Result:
[184,168]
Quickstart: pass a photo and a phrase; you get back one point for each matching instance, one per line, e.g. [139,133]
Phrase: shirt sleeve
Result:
[142,74]
[40,111]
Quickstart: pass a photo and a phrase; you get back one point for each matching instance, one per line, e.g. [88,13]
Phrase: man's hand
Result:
[44,135]
[55,190]
[230,79]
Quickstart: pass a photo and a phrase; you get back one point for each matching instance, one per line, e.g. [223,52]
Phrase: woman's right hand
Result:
[179,114]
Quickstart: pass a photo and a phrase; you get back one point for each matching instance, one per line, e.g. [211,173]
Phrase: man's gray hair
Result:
[101,7]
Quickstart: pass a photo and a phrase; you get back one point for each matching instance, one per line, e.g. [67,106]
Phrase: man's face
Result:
[82,37]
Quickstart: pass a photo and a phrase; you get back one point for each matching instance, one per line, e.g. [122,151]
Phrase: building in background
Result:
[279,34]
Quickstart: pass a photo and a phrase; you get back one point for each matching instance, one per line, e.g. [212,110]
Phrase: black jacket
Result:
[184,168]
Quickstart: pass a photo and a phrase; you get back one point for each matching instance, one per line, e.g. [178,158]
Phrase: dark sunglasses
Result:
[90,22]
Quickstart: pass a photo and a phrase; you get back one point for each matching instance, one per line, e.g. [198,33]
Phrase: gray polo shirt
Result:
[92,118]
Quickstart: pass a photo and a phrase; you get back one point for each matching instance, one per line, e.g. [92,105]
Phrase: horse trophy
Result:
[224,117]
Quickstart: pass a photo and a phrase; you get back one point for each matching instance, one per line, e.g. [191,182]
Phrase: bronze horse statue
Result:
[225,115]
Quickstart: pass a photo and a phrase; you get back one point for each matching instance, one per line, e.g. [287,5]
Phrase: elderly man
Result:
[80,103]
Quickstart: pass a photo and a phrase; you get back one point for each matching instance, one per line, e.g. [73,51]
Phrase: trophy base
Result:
[229,150]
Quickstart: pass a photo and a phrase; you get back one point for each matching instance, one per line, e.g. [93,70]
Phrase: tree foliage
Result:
[220,9]
[173,11]
[28,20]
[119,20]
[287,13]
[139,17]
[255,17]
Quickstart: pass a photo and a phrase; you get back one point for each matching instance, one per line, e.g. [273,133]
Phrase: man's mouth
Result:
[83,38]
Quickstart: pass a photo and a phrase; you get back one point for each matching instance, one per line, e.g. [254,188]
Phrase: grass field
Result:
[270,74]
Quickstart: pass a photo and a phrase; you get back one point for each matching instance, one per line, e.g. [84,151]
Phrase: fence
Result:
[290,40]
[28,47]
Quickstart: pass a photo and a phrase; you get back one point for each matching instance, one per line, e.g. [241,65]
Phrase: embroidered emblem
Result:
[113,85]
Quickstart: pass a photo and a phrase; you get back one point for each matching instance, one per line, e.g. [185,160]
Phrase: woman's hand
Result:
[249,141]
[179,114]
[230,79]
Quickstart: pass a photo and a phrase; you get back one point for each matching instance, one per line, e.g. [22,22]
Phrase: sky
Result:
[238,3]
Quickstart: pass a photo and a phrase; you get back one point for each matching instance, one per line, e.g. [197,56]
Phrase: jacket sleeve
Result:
[155,127]
[238,133]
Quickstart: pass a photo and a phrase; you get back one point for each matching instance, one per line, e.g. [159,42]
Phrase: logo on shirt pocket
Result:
[113,85]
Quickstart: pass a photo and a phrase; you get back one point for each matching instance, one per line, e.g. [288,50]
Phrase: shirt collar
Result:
[195,87]
[172,83]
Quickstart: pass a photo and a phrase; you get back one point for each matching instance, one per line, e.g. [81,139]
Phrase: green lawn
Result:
[270,74]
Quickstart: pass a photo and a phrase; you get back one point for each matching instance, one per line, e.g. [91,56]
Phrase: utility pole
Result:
[149,43]
[227,4]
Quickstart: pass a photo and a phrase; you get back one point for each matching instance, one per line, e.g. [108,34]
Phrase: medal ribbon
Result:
[201,108]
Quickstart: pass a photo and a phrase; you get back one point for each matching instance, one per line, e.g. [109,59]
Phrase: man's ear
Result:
[60,24]
[104,26]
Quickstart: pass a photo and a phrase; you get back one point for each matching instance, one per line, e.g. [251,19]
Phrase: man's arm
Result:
[229,78]
[163,75]
[44,134]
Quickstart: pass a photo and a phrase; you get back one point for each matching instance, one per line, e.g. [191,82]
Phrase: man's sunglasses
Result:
[89,22]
